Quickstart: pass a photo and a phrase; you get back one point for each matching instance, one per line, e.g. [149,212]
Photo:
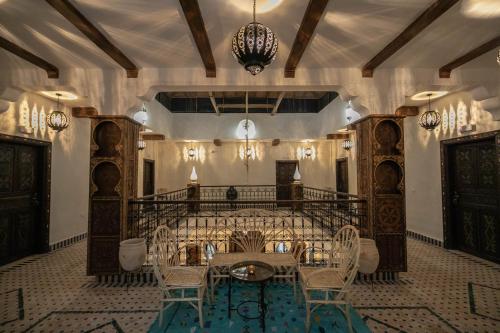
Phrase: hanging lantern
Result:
[191,153]
[254,46]
[57,120]
[430,119]
[347,144]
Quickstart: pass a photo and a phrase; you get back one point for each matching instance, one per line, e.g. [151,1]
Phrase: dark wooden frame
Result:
[144,161]
[46,156]
[446,145]
[337,161]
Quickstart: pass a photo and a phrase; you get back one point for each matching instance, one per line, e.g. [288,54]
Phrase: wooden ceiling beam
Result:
[407,111]
[445,71]
[52,71]
[153,137]
[437,9]
[192,12]
[84,111]
[75,17]
[313,14]
[337,136]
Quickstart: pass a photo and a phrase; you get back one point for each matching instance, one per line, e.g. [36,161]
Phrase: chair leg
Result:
[161,313]
[200,306]
[348,317]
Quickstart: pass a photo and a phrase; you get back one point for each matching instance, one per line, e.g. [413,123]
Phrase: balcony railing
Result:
[313,220]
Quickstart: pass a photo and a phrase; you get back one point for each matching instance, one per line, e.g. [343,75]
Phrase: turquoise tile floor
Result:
[285,314]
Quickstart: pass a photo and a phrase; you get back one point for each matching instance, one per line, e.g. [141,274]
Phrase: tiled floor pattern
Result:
[443,291]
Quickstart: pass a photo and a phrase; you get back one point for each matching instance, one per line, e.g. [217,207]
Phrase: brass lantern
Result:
[57,120]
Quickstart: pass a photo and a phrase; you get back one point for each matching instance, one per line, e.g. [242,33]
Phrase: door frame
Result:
[45,148]
[337,162]
[446,145]
[146,160]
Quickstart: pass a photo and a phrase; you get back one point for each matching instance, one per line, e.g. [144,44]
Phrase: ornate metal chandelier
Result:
[430,119]
[254,46]
[57,120]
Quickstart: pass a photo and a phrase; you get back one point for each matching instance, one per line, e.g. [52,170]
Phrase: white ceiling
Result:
[154,33]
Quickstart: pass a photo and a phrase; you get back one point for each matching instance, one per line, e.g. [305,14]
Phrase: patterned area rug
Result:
[285,314]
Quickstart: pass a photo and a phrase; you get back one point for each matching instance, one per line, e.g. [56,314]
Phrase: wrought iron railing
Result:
[313,221]
[244,192]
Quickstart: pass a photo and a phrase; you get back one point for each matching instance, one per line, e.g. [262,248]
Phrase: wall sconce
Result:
[193,154]
[347,144]
[249,152]
[306,153]
[141,144]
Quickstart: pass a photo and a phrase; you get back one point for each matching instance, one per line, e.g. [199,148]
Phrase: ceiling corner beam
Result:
[445,71]
[84,112]
[75,17]
[217,142]
[407,111]
[278,102]
[313,14]
[214,104]
[275,142]
[153,137]
[337,136]
[437,9]
[52,71]
[192,12]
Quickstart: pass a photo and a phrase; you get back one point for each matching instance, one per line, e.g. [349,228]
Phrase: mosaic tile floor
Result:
[444,291]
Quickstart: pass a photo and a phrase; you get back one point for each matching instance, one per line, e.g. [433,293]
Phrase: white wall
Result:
[223,166]
[69,169]
[422,160]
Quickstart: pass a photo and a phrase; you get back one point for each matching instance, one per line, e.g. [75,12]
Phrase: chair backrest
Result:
[345,252]
[249,230]
[165,254]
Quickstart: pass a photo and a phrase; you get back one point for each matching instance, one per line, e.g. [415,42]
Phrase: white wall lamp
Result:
[347,144]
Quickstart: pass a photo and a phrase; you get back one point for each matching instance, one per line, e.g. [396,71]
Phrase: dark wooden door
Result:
[148,177]
[342,175]
[20,197]
[284,178]
[474,197]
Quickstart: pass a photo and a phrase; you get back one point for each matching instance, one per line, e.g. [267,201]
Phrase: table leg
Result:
[263,307]
[229,298]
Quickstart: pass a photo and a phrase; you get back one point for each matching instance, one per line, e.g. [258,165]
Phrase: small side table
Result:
[251,272]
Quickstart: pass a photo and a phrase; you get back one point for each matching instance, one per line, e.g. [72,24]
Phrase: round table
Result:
[251,271]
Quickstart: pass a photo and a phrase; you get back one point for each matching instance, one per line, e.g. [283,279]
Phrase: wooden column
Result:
[380,157]
[113,181]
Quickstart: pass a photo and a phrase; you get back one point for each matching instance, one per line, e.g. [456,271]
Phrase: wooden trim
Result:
[446,177]
[45,179]
[337,136]
[407,111]
[52,71]
[313,14]
[74,16]
[217,142]
[84,112]
[153,137]
[388,116]
[437,9]
[192,12]
[445,71]
[250,106]
[105,117]
[275,142]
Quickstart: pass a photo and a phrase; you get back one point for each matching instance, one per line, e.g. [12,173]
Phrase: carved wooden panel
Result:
[380,158]
[392,250]
[103,255]
[113,181]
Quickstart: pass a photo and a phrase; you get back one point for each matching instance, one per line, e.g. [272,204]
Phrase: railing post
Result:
[193,197]
[297,194]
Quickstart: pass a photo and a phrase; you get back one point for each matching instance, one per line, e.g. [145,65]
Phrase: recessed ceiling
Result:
[234,101]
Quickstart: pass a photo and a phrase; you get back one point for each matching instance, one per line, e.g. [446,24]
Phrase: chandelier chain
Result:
[254,1]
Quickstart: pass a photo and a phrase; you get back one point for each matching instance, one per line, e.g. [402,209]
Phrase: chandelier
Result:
[254,46]
[430,119]
[57,120]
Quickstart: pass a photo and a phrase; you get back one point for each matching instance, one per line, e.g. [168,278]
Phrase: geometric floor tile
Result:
[11,306]
[484,300]
[404,319]
[442,291]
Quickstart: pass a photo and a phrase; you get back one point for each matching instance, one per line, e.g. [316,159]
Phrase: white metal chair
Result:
[330,283]
[173,279]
